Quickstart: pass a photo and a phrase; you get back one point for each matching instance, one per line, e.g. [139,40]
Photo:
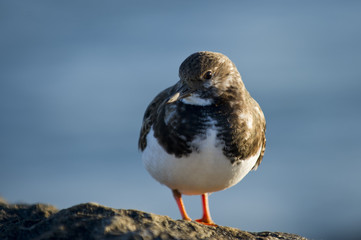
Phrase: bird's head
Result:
[206,74]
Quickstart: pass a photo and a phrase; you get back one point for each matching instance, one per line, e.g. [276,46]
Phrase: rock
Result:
[93,221]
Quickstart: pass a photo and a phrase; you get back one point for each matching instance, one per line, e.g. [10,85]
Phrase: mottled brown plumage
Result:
[230,101]
[205,133]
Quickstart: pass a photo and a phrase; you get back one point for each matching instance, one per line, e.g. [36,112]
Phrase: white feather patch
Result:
[248,118]
[194,99]
[200,172]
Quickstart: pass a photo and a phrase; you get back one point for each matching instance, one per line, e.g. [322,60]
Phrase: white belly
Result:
[200,172]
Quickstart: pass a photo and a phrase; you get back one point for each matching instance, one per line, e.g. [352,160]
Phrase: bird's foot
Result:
[206,221]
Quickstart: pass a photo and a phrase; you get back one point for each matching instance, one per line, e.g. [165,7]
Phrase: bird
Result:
[204,133]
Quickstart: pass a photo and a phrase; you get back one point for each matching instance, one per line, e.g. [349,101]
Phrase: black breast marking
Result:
[177,124]
[190,121]
[177,131]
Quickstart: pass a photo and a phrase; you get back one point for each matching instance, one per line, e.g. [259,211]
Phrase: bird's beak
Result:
[183,92]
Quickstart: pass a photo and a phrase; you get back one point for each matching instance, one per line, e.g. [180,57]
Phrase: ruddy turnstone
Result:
[203,134]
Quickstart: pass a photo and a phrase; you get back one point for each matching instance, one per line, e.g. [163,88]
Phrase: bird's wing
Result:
[259,160]
[151,114]
[262,138]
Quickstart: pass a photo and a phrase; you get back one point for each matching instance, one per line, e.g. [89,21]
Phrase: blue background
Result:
[76,77]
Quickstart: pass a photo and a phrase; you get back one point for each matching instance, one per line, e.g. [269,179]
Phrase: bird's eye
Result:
[208,75]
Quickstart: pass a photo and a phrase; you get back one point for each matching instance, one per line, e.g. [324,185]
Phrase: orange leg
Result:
[206,219]
[178,198]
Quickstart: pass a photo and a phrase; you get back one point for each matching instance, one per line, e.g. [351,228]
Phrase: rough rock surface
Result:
[93,221]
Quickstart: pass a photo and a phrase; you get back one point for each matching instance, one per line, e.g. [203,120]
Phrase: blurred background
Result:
[76,77]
